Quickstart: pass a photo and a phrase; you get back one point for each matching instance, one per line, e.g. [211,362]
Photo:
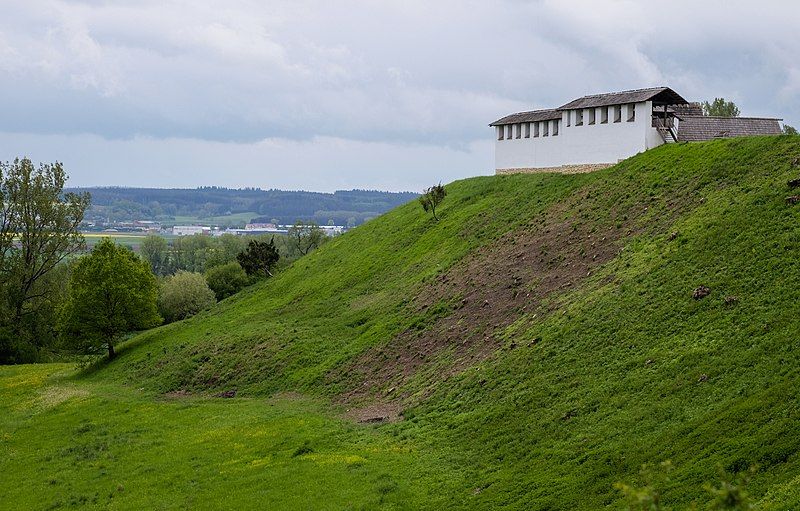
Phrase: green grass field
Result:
[109,446]
[128,239]
[540,341]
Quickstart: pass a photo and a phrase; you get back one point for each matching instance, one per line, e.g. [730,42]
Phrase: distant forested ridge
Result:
[343,207]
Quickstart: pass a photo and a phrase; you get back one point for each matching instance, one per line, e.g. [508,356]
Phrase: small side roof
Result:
[532,116]
[658,95]
[699,128]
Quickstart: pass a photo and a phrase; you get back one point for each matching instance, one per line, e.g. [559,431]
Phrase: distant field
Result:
[130,239]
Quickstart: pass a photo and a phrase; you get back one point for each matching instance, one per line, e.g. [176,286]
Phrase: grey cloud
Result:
[411,71]
[389,74]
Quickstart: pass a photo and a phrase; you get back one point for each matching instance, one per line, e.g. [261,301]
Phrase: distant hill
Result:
[548,337]
[343,207]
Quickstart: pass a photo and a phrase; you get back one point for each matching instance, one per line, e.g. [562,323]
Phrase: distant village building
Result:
[256,229]
[597,131]
[259,226]
[147,225]
[332,230]
[190,230]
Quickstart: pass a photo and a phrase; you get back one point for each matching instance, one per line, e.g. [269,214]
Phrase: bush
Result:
[183,295]
[227,279]
[259,258]
[431,198]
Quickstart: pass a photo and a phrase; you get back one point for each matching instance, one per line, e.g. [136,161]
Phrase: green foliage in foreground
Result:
[38,229]
[227,279]
[111,292]
[183,295]
[621,370]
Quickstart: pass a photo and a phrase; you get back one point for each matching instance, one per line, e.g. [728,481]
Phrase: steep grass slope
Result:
[541,341]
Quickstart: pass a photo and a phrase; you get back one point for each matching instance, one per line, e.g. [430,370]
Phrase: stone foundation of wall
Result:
[563,169]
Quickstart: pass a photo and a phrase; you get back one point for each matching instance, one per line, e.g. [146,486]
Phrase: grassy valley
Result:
[535,346]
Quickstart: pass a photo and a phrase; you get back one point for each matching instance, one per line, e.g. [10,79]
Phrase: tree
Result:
[259,257]
[112,291]
[789,130]
[191,252]
[227,279]
[155,251]
[225,250]
[183,295]
[38,229]
[306,236]
[720,108]
[431,198]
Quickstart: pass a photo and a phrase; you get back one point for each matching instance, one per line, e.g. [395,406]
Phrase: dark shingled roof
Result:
[687,109]
[532,116]
[659,95]
[697,128]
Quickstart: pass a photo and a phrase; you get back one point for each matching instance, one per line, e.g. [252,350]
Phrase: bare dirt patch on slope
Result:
[520,272]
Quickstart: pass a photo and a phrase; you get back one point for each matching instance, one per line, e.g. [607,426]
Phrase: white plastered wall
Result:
[586,144]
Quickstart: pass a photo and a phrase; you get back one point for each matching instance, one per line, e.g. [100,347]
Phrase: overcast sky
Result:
[324,95]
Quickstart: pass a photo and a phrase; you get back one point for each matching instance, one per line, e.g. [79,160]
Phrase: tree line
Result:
[57,300]
[38,231]
[343,207]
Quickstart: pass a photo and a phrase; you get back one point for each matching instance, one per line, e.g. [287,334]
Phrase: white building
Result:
[599,130]
[190,230]
[332,230]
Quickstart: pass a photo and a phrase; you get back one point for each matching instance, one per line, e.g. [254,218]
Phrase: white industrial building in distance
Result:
[597,131]
[190,230]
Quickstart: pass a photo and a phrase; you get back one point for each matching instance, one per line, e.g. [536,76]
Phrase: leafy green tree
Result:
[190,253]
[224,250]
[155,250]
[789,130]
[720,108]
[38,229]
[112,291]
[306,236]
[183,295]
[227,279]
[431,198]
[259,257]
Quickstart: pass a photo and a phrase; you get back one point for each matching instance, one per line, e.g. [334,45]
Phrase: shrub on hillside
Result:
[184,294]
[431,198]
[305,236]
[259,258]
[227,279]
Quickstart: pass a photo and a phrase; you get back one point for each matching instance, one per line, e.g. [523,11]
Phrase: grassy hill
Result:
[532,348]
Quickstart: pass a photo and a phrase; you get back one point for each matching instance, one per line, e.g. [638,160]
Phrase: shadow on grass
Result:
[95,363]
